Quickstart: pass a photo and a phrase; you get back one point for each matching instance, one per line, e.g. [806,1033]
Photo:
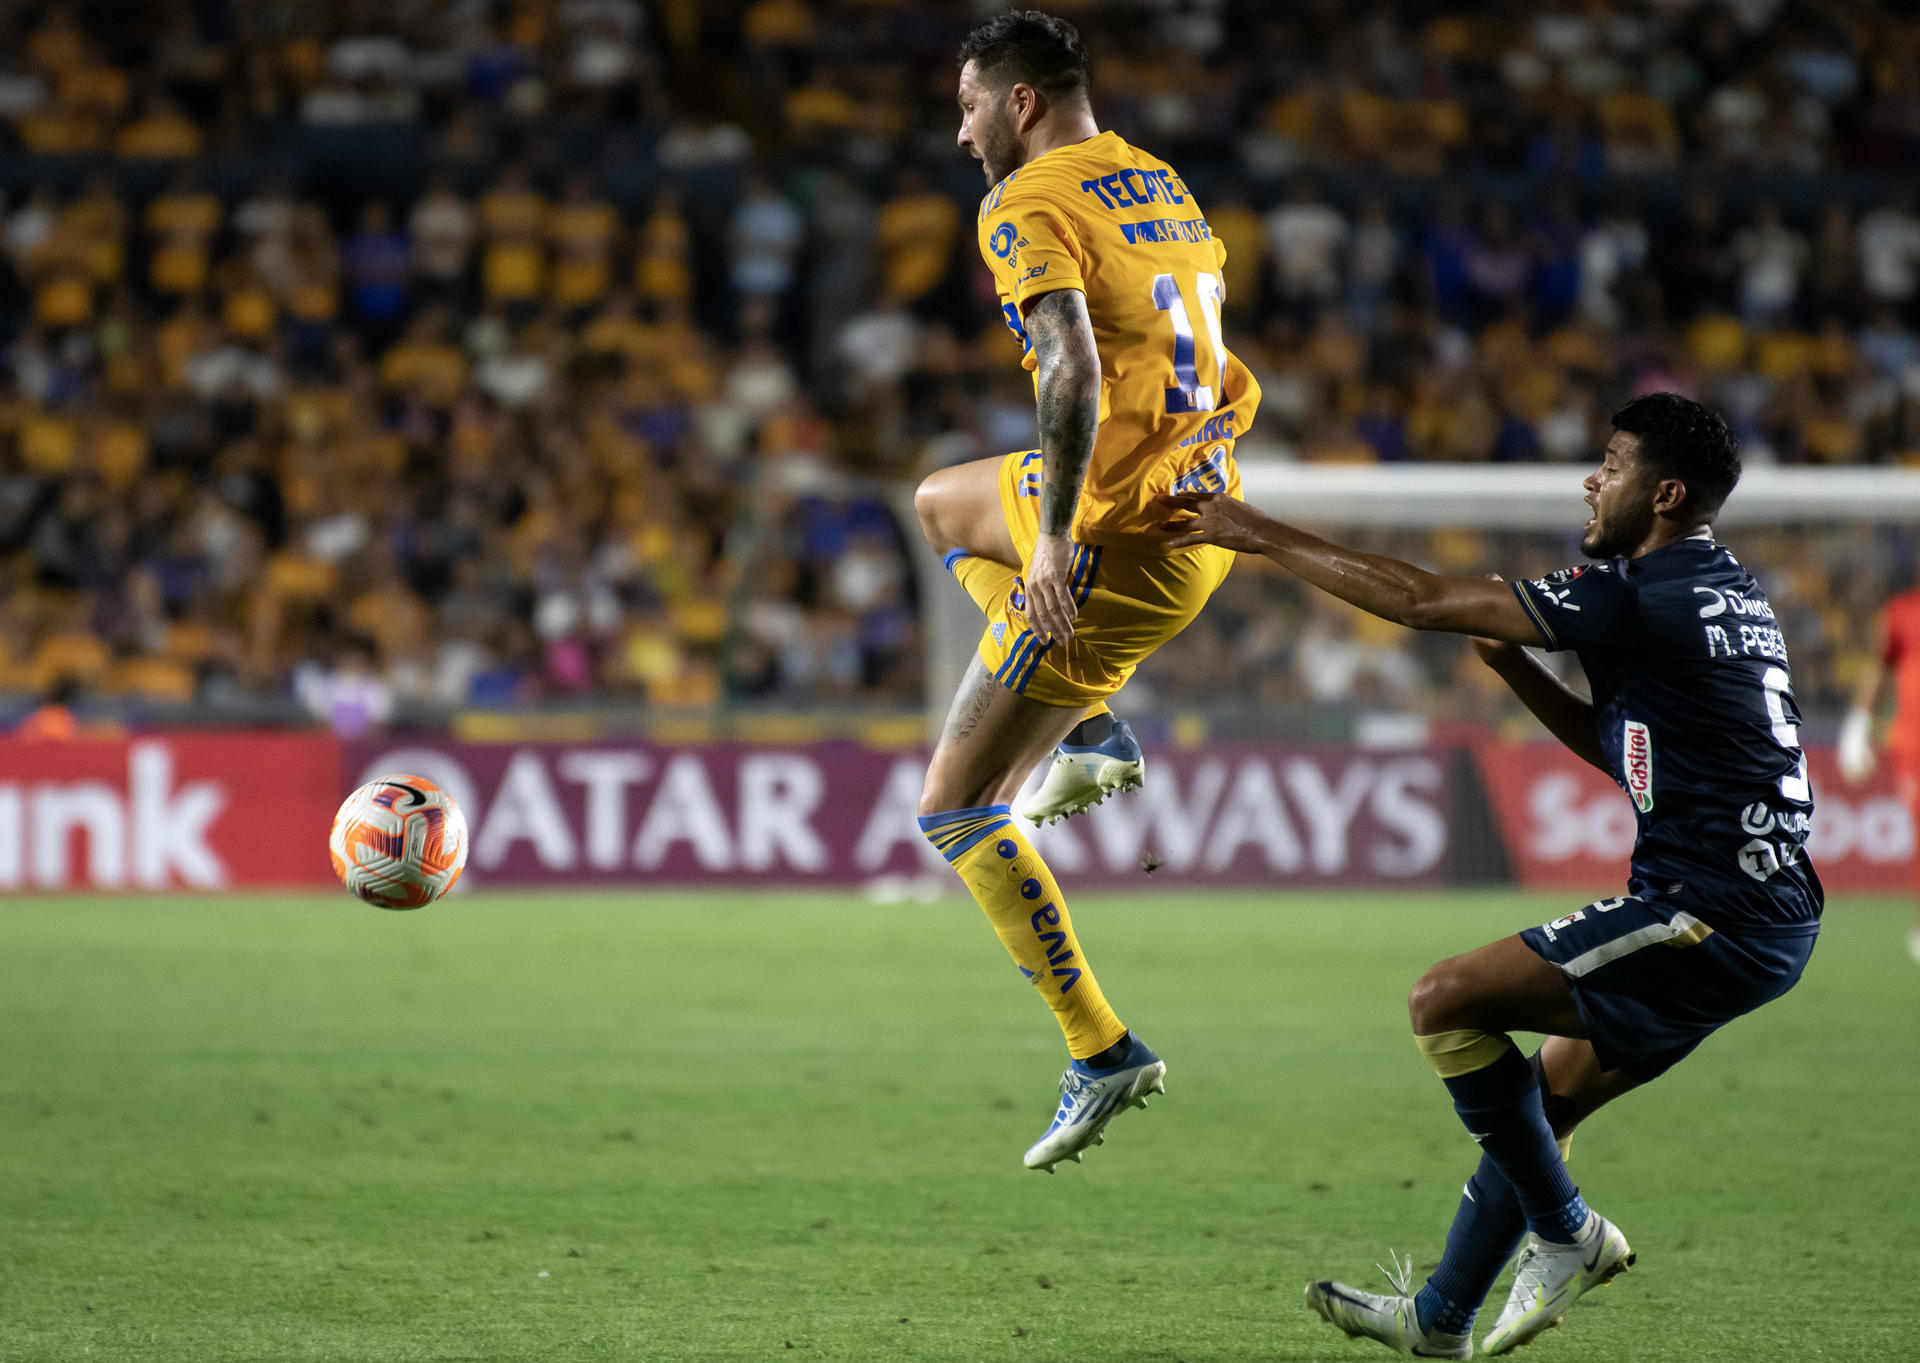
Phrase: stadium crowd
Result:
[456,354]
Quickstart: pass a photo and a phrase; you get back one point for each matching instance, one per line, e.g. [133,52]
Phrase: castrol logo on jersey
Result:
[1637,747]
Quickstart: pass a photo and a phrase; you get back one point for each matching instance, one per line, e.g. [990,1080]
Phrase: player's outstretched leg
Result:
[992,738]
[1500,1098]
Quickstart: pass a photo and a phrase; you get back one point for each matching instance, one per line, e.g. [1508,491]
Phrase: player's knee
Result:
[941,795]
[931,504]
[1438,1001]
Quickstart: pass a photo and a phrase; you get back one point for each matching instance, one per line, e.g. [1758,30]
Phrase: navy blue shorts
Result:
[1652,981]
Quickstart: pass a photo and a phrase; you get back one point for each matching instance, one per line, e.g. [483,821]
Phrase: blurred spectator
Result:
[347,696]
[764,238]
[1306,236]
[376,264]
[916,233]
[1771,257]
[1890,249]
[443,228]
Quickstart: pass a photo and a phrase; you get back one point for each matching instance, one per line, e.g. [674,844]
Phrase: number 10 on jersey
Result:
[1191,395]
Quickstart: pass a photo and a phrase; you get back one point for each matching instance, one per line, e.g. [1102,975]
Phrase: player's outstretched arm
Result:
[1567,714]
[1067,387]
[1381,586]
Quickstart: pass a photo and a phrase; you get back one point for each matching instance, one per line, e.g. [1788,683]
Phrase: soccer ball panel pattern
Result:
[399,842]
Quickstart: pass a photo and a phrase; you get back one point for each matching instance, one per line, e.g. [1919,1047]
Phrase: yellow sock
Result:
[1023,902]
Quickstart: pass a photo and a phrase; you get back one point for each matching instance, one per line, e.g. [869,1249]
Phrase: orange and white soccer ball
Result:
[399,842]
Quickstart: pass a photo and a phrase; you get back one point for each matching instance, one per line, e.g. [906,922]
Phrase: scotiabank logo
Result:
[147,831]
[1637,748]
[193,812]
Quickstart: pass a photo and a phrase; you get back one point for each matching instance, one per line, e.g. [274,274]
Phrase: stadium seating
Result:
[570,359]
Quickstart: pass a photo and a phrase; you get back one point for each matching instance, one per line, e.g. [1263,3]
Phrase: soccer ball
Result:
[399,842]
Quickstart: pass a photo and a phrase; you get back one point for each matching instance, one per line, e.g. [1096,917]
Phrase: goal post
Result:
[1829,543]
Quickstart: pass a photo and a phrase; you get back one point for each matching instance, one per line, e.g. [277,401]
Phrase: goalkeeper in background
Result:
[1896,667]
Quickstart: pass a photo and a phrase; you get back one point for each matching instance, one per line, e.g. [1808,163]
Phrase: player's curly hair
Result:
[1685,440]
[1029,47]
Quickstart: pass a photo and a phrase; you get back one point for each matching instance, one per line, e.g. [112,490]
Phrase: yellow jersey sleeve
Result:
[1032,249]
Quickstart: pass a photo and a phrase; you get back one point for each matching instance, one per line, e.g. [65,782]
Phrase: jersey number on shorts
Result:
[1785,732]
[1192,395]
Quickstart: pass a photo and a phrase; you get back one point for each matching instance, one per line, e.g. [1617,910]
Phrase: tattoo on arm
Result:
[1068,368]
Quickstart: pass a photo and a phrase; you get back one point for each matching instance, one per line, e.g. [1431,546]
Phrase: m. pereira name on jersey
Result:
[1636,758]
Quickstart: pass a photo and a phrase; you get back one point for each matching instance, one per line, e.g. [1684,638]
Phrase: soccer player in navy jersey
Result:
[1692,713]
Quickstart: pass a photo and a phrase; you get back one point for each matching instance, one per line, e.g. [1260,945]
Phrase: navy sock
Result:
[1502,1109]
[1091,730]
[1486,1230]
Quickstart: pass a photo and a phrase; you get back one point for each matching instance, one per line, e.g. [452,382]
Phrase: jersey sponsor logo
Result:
[1001,242]
[1636,756]
[1722,603]
[1131,188]
[1758,820]
[1761,859]
[1208,476]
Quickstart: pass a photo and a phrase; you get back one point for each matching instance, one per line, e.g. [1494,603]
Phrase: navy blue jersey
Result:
[1695,709]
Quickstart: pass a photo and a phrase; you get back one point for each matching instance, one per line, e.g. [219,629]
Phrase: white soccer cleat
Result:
[1389,1319]
[1549,1278]
[1091,1098]
[1081,778]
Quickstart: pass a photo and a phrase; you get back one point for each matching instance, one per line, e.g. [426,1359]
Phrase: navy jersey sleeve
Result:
[1591,606]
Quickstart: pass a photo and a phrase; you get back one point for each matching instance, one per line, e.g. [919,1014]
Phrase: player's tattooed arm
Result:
[1067,367]
[1067,373]
[1379,585]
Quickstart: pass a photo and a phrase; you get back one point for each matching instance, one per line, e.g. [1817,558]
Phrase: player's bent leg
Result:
[959,508]
[992,738]
[1488,1225]
[1501,987]
[1461,1010]
[964,519]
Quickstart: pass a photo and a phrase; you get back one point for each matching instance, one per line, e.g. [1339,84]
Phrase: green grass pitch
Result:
[781,1126]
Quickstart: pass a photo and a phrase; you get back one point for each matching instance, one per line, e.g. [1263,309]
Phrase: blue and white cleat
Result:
[1081,778]
[1389,1319]
[1548,1279]
[1091,1098]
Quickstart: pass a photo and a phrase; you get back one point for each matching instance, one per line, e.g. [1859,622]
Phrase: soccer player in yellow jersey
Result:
[1111,281]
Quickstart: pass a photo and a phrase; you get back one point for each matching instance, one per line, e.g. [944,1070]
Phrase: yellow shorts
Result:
[1131,602]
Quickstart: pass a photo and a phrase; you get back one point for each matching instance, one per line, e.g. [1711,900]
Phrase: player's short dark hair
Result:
[1685,440]
[1028,47]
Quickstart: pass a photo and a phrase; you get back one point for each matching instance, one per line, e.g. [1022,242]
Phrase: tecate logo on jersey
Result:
[1637,749]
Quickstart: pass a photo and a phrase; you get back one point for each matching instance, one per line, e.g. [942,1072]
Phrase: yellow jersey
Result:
[1119,225]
